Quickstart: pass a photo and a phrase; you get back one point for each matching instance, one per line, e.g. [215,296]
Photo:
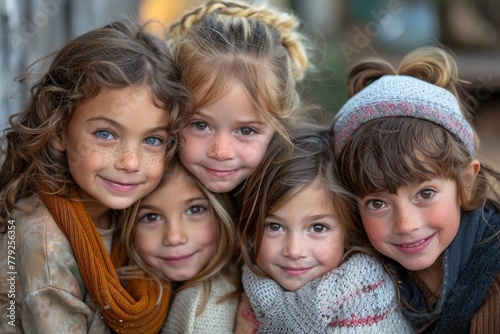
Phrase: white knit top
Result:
[217,318]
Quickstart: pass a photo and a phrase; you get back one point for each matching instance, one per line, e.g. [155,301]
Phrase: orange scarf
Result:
[135,311]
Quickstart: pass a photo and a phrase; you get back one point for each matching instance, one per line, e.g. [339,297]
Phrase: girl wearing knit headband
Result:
[406,150]
[295,225]
[94,139]
[243,63]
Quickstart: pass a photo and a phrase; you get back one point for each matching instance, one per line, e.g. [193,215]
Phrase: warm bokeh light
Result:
[165,11]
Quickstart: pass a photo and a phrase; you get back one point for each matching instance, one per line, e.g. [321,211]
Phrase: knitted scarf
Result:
[469,269]
[357,297]
[132,311]
[475,280]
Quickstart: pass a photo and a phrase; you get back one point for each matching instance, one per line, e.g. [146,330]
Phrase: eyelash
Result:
[98,133]
[201,208]
[146,218]
[160,141]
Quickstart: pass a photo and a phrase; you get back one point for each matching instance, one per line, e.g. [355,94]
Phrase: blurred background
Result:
[340,30]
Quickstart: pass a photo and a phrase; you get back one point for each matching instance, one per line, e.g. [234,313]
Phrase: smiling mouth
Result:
[221,173]
[415,244]
[120,187]
[295,271]
[414,247]
[177,260]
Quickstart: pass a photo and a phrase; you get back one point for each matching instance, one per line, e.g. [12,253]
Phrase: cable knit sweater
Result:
[217,318]
[357,297]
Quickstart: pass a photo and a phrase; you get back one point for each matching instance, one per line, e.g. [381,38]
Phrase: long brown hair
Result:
[282,175]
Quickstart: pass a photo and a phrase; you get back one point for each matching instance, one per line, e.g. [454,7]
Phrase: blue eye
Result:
[153,141]
[104,134]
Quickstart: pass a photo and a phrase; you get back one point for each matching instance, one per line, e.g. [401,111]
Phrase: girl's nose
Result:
[221,147]
[174,235]
[407,221]
[128,158]
[294,247]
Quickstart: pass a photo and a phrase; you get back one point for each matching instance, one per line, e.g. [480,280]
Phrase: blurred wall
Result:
[31,29]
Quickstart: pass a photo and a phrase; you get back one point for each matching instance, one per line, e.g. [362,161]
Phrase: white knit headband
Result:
[402,96]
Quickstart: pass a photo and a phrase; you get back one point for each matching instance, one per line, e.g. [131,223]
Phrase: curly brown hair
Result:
[117,55]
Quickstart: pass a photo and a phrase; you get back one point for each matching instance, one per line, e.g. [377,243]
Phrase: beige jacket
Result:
[49,293]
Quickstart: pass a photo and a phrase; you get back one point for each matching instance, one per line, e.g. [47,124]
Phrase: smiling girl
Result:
[183,233]
[243,63]
[92,141]
[406,149]
[301,275]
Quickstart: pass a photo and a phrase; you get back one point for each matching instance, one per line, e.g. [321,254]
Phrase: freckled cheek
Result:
[268,251]
[154,162]
[87,153]
[330,254]
[194,148]
[375,230]
[207,236]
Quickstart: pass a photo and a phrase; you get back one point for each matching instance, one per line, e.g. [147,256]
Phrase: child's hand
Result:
[246,322]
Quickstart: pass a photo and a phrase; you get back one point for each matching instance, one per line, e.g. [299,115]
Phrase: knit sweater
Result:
[217,318]
[357,297]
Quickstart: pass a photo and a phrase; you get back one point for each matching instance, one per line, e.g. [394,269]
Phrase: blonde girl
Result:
[243,63]
[185,234]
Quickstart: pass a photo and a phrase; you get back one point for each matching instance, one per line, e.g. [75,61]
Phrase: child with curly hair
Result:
[94,139]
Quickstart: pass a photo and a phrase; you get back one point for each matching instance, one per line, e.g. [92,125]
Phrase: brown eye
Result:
[247,131]
[318,228]
[427,193]
[376,204]
[274,227]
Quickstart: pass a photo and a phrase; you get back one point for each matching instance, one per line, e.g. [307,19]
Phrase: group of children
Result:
[165,185]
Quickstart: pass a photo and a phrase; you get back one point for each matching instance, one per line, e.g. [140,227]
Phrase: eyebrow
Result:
[155,208]
[119,126]
[250,122]
[309,218]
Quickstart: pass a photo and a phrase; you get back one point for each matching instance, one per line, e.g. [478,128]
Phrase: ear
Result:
[469,176]
[58,143]
[471,171]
